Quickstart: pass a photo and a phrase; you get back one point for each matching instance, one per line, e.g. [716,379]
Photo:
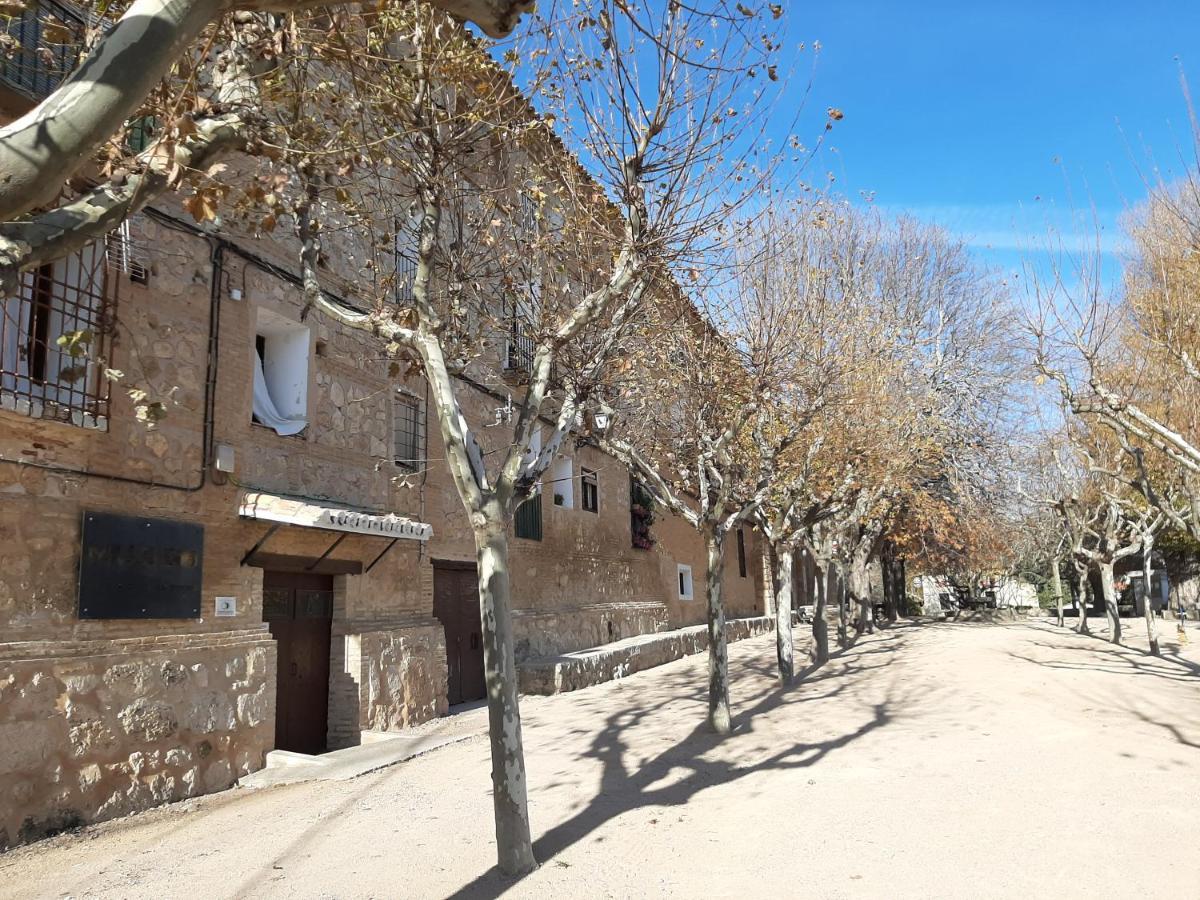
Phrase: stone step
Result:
[596,665]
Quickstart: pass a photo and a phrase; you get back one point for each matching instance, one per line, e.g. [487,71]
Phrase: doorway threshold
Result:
[378,750]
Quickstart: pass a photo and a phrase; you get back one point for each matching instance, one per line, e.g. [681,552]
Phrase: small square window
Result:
[684,574]
[590,485]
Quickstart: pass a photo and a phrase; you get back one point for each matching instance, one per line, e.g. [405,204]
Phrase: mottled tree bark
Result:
[1085,597]
[860,591]
[1110,602]
[718,657]
[822,573]
[785,559]
[843,598]
[1148,605]
[510,803]
[1056,588]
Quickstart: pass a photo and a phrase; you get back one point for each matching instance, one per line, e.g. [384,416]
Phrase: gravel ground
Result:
[945,760]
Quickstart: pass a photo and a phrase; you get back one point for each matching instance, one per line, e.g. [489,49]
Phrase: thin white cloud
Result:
[1025,228]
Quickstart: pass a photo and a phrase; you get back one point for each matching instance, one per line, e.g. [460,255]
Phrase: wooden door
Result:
[298,607]
[456,605]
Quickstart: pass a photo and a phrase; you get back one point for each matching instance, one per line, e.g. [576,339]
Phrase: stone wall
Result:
[403,676]
[209,721]
[544,633]
[97,729]
[572,671]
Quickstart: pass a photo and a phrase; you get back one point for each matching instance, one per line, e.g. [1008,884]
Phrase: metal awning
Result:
[288,511]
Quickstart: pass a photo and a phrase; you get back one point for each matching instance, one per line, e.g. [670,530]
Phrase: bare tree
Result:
[118,74]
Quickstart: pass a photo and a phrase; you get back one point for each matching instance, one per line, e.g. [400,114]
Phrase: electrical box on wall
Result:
[226,458]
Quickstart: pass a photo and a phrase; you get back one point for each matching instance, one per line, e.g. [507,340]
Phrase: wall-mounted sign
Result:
[226,606]
[272,508]
[136,568]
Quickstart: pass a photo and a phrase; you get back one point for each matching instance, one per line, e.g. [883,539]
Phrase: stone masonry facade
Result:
[102,717]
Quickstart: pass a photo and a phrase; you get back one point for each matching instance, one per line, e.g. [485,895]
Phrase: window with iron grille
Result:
[590,485]
[406,260]
[528,519]
[44,41]
[54,339]
[407,431]
[741,547]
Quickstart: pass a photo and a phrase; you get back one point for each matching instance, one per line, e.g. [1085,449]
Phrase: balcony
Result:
[48,38]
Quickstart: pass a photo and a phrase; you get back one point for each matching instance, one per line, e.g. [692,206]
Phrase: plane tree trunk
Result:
[785,559]
[1057,588]
[822,584]
[860,591]
[1085,596]
[718,657]
[510,803]
[1148,604]
[843,601]
[1111,611]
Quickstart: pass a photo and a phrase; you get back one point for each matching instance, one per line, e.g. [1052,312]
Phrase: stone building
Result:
[246,541]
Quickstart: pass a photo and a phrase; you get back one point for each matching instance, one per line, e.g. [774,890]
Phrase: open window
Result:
[562,482]
[282,350]
[589,487]
[684,576]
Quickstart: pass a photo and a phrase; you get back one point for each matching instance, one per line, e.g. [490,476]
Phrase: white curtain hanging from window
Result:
[264,407]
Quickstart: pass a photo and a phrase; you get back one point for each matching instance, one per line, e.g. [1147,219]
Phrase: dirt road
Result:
[927,761]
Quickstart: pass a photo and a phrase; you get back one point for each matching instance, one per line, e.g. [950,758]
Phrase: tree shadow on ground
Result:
[627,785]
[1169,649]
[1115,660]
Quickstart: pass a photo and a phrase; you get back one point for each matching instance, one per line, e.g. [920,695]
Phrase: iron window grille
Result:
[528,518]
[407,431]
[405,247]
[54,338]
[590,486]
[741,548]
[518,348]
[46,37]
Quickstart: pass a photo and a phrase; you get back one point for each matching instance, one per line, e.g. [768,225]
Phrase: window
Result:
[54,340]
[405,248]
[684,574]
[45,39]
[528,519]
[741,548]
[562,482]
[590,486]
[407,431]
[281,357]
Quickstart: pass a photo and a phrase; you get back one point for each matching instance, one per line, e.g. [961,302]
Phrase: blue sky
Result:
[999,120]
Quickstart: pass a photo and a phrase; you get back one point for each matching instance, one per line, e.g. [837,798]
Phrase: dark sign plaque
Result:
[135,568]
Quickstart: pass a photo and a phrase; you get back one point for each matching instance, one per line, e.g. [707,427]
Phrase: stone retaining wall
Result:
[571,671]
[97,729]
